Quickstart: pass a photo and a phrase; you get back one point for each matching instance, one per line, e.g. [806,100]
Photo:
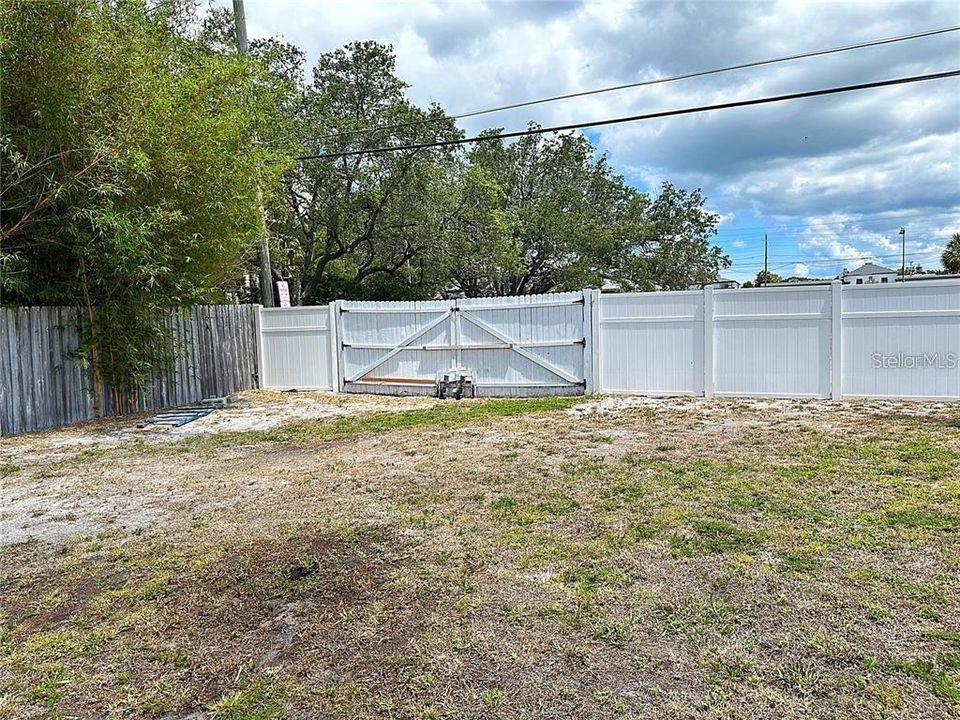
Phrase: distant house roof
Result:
[721,283]
[870,269]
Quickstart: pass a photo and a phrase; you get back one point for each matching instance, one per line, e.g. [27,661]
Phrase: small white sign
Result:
[283,292]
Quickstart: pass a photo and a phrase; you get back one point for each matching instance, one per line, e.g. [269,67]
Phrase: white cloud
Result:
[801,270]
[845,239]
[877,178]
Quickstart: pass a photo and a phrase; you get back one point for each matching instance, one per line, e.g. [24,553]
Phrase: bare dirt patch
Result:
[59,483]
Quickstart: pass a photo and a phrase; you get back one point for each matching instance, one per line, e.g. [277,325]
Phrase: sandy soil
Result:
[615,557]
[53,504]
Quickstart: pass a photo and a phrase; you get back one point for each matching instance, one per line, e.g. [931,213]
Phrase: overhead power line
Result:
[646,83]
[860,233]
[842,260]
[808,258]
[634,118]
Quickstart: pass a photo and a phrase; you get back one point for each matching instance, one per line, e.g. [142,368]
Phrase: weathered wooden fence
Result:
[43,385]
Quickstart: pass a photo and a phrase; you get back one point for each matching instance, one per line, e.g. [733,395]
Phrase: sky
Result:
[829,180]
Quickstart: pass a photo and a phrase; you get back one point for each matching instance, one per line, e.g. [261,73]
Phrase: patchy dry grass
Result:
[498,559]
[446,415]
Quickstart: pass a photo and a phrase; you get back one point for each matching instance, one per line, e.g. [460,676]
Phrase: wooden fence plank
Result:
[8,391]
[27,383]
[43,385]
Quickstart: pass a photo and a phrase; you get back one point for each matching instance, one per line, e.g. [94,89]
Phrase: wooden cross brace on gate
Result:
[404,344]
[459,313]
[518,348]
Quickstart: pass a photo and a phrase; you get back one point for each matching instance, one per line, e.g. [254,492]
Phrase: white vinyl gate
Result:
[517,346]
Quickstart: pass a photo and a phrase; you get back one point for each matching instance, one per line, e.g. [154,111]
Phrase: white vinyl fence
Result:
[517,346]
[297,348]
[768,342]
[651,343]
[895,340]
[899,340]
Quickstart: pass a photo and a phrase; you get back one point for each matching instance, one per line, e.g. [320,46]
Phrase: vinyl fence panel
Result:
[296,348]
[772,341]
[901,340]
[652,343]
[895,340]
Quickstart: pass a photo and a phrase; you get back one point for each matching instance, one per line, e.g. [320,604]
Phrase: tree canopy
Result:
[765,277]
[565,220]
[540,214]
[130,170]
[951,255]
[140,154]
[347,225]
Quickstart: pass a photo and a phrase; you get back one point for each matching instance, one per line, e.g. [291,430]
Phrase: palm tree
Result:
[951,255]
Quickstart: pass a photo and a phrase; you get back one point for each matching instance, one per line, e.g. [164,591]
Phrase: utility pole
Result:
[903,254]
[263,247]
[766,275]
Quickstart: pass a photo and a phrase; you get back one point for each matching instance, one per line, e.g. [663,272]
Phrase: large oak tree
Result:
[369,223]
[541,214]
[561,219]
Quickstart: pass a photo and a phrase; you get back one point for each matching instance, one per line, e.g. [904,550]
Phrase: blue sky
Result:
[830,180]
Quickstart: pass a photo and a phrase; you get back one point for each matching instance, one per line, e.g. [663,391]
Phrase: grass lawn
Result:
[493,559]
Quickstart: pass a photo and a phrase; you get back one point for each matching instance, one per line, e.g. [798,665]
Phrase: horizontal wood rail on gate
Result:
[398,380]
[474,346]
[468,308]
